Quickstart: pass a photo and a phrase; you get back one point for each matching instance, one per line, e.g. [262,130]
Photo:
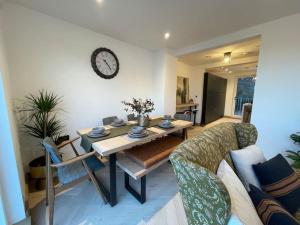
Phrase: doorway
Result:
[244,94]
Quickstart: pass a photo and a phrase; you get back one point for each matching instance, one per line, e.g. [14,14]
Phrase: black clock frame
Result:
[94,65]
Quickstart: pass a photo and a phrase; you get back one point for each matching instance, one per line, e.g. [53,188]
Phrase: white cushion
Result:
[243,160]
[241,204]
[234,220]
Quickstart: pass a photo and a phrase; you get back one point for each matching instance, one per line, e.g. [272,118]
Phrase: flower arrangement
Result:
[139,106]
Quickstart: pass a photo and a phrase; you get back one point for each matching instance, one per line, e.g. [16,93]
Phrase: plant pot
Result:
[143,121]
[37,168]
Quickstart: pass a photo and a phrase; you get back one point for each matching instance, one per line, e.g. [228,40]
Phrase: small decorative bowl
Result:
[137,129]
[98,130]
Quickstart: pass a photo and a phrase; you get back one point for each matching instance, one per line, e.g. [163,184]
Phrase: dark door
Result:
[214,93]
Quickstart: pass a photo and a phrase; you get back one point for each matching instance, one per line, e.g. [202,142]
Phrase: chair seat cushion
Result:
[74,171]
[278,179]
[269,210]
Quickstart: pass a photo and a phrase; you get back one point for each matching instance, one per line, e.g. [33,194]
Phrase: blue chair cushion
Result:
[50,147]
[74,171]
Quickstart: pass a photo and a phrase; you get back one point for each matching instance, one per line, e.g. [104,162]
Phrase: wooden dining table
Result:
[111,146]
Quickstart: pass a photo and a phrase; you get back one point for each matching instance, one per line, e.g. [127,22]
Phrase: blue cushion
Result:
[269,210]
[52,149]
[74,171]
[279,180]
[94,163]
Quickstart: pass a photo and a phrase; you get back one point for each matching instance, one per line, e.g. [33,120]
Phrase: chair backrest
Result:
[182,116]
[109,120]
[246,113]
[51,148]
[131,117]
[195,163]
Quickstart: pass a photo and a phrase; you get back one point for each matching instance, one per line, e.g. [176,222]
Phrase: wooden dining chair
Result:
[108,120]
[70,172]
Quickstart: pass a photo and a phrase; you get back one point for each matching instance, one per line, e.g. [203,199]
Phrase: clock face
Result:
[105,63]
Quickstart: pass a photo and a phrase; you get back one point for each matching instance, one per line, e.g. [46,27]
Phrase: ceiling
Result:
[241,52]
[246,69]
[144,22]
[244,59]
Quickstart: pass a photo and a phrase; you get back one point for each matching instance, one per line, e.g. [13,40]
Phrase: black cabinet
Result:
[214,94]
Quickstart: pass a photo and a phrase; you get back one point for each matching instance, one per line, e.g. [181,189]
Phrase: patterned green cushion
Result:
[246,134]
[195,162]
[205,198]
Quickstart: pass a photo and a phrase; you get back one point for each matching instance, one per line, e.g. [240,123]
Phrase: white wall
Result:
[47,53]
[165,82]
[196,78]
[11,171]
[230,94]
[276,112]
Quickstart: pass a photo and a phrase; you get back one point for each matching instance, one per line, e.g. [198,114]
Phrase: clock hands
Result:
[106,63]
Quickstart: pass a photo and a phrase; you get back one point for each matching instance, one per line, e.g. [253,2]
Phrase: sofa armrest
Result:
[246,134]
[201,192]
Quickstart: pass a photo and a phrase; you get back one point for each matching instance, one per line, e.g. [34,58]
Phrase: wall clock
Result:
[105,63]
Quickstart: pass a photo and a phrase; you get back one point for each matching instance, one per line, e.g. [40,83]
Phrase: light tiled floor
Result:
[82,206]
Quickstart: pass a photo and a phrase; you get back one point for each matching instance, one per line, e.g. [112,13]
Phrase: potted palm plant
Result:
[39,120]
[295,155]
[141,108]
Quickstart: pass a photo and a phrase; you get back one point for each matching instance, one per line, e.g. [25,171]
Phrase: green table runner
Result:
[86,142]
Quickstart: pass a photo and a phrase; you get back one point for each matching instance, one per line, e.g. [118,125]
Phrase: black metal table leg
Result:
[111,192]
[113,179]
[140,197]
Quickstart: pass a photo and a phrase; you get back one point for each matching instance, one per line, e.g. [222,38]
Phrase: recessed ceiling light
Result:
[167,35]
[226,69]
[99,1]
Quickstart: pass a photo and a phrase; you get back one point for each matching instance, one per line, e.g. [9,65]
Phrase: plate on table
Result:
[98,135]
[169,126]
[138,135]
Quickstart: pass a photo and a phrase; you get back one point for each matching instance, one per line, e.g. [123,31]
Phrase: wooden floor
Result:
[36,198]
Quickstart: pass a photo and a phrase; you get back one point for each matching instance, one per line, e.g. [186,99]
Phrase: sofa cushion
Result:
[243,160]
[246,134]
[204,196]
[241,204]
[269,210]
[279,180]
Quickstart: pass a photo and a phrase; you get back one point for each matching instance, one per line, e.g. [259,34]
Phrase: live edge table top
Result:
[123,142]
